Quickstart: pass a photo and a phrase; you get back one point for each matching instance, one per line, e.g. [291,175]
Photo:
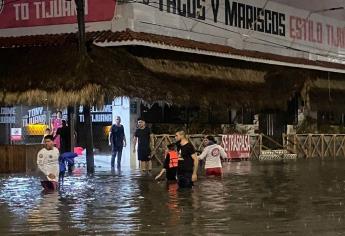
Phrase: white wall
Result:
[148,18]
[315,5]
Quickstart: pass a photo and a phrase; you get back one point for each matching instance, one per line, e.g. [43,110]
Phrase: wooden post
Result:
[295,143]
[334,144]
[310,151]
[89,140]
[322,146]
[71,124]
[260,144]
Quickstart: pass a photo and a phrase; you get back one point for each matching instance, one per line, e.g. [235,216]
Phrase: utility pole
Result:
[87,113]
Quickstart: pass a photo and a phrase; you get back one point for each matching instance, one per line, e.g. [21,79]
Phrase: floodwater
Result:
[303,197]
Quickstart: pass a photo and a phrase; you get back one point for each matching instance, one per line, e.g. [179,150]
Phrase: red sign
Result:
[236,145]
[28,13]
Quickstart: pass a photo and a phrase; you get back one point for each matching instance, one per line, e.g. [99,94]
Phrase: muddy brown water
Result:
[303,197]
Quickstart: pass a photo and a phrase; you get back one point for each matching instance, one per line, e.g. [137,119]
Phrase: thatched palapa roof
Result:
[52,73]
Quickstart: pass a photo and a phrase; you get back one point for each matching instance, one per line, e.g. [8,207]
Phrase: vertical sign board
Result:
[237,146]
[16,134]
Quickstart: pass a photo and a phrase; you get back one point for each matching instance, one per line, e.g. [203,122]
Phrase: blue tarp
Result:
[67,157]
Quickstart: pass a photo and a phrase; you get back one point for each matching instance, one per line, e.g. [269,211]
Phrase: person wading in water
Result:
[188,162]
[213,154]
[144,138]
[48,164]
[117,141]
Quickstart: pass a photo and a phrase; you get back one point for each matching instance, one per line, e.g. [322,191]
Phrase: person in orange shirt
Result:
[170,164]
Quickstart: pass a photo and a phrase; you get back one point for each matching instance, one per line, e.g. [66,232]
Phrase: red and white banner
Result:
[236,145]
[29,13]
[16,134]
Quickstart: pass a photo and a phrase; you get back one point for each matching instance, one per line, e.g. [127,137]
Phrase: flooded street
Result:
[254,198]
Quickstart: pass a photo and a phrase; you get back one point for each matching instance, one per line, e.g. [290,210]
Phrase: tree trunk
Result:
[89,141]
[87,115]
[81,27]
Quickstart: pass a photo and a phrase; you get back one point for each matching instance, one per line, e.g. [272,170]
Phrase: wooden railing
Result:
[316,145]
[162,140]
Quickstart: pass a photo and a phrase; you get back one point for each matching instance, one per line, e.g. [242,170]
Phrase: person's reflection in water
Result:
[67,205]
[237,168]
[173,204]
[212,191]
[116,171]
[45,216]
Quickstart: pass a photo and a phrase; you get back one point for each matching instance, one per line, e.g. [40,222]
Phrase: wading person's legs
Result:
[143,165]
[185,180]
[119,156]
[149,165]
[113,156]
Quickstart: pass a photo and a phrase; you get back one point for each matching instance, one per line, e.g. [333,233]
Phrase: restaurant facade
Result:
[202,65]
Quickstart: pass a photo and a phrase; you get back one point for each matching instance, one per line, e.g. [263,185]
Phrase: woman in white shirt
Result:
[213,153]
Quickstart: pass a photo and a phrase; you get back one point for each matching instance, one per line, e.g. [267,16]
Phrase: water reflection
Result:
[253,198]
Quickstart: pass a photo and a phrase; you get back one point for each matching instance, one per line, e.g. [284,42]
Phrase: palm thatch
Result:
[56,76]
[204,71]
[327,93]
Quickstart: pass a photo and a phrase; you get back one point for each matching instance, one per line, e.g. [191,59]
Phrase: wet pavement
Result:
[254,198]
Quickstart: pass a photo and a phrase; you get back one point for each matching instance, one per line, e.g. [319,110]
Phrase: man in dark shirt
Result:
[143,137]
[65,141]
[65,138]
[188,161]
[117,140]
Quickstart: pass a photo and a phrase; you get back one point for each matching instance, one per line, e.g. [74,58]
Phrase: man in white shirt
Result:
[48,164]
[213,153]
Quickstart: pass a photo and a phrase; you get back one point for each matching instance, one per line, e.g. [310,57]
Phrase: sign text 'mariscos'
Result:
[250,17]
[234,14]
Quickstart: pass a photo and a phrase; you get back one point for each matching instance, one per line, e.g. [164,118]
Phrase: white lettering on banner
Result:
[7,111]
[102,118]
[36,111]
[35,116]
[7,115]
[98,118]
[102,115]
[236,145]
[41,119]
[81,118]
[239,143]
[106,108]
[46,9]
[7,119]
